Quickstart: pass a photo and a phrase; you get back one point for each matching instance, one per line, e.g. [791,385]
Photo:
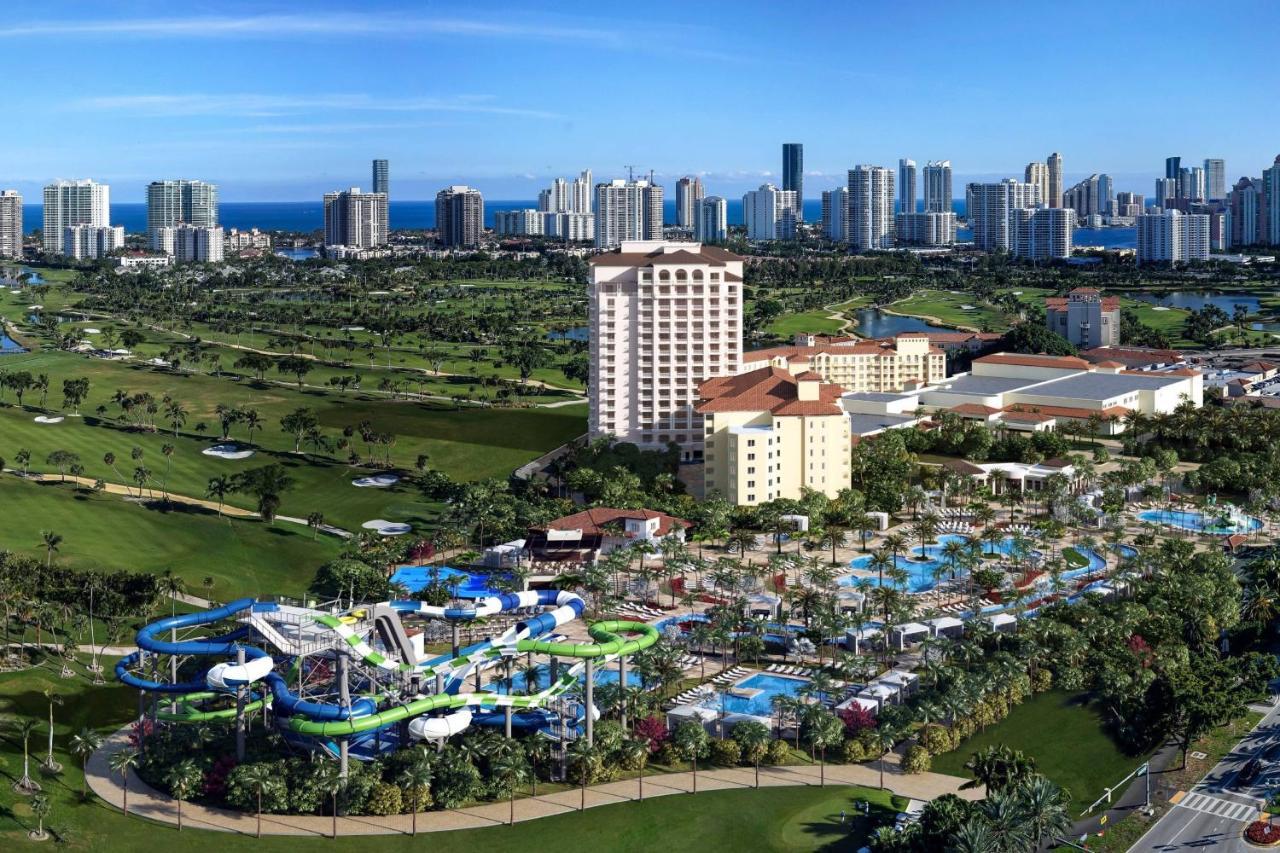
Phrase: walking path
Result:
[147,802]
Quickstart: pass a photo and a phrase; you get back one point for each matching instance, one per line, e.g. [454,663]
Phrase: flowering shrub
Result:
[1261,832]
[652,729]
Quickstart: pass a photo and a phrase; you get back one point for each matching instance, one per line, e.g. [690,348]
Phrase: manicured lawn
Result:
[947,307]
[783,819]
[1075,560]
[466,443]
[1065,737]
[100,531]
[816,321]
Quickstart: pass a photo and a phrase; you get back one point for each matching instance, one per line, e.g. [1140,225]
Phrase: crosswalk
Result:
[1216,806]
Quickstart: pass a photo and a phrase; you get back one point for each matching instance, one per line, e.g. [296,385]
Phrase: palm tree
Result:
[259,775]
[53,699]
[84,744]
[327,776]
[1044,805]
[122,762]
[754,737]
[40,808]
[182,779]
[511,769]
[51,542]
[219,487]
[173,586]
[887,736]
[415,777]
[25,784]
[636,751]
[582,757]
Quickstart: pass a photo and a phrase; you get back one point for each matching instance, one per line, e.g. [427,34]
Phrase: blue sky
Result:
[282,101]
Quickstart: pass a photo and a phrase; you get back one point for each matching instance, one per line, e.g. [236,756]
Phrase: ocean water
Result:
[307,216]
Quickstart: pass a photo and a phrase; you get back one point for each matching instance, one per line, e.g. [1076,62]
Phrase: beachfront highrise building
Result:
[1037,173]
[689,193]
[906,186]
[991,207]
[355,219]
[382,177]
[10,224]
[1191,184]
[870,208]
[1215,178]
[793,174]
[1091,197]
[582,193]
[1042,233]
[627,210]
[1129,204]
[556,198]
[182,202]
[459,216]
[711,222]
[937,186]
[1172,237]
[91,242]
[925,229]
[664,317]
[68,203]
[1055,180]
[770,213]
[835,214]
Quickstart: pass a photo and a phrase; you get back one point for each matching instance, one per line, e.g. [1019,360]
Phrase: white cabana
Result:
[880,693]
[762,604]
[1002,621]
[946,626]
[850,601]
[871,706]
[799,522]
[504,556]
[910,629]
[856,637]
[905,681]
[881,519]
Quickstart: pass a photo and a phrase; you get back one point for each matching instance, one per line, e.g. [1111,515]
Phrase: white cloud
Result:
[292,26]
[263,106]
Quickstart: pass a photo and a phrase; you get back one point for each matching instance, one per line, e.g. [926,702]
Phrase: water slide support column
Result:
[240,697]
[591,677]
[622,685]
[454,629]
[173,670]
[344,697]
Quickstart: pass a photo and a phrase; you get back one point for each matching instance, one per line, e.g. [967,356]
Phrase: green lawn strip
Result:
[1166,320]
[798,818]
[1075,560]
[1066,738]
[817,321]
[100,531]
[1123,834]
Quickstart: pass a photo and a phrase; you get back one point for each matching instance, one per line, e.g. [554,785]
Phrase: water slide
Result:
[317,719]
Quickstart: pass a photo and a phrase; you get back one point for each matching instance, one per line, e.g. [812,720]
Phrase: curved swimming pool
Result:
[1200,522]
[925,564]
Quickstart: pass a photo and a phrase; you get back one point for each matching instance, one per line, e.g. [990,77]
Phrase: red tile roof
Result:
[592,521]
[769,389]
[712,255]
[1133,355]
[973,409]
[1061,362]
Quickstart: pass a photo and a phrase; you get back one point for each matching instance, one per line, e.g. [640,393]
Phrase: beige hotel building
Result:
[858,364]
[664,317]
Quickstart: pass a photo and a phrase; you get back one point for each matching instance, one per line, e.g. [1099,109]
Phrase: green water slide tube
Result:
[609,643]
[187,712]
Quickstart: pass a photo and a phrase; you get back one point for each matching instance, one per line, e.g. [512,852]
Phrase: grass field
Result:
[102,531]
[817,321]
[466,442]
[947,308]
[1065,737]
[781,819]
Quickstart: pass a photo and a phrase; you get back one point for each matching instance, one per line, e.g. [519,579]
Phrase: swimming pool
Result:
[9,345]
[923,573]
[761,704]
[463,584]
[1224,523]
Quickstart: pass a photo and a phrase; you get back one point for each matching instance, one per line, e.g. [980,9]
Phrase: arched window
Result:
[697,275]
[664,275]
[681,275]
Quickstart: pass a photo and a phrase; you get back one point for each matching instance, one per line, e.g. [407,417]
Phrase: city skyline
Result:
[261,110]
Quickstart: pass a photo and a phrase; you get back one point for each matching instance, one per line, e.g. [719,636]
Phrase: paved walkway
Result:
[147,802]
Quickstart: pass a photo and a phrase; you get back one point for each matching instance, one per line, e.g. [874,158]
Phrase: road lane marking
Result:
[1215,806]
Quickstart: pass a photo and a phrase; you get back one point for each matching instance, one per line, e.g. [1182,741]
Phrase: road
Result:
[1216,811]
